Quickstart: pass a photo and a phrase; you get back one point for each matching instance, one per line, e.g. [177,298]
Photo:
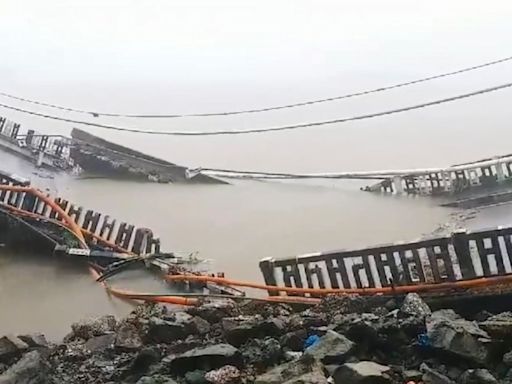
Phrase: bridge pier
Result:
[398,185]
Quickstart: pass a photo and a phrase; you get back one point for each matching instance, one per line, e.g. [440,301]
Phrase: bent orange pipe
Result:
[77,231]
[125,294]
[479,282]
[69,222]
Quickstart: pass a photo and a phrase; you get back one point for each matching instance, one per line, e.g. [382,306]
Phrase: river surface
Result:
[234,225]
[195,56]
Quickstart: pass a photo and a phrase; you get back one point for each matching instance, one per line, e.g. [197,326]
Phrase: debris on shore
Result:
[345,339]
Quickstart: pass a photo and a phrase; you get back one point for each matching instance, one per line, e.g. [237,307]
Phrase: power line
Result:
[246,111]
[261,130]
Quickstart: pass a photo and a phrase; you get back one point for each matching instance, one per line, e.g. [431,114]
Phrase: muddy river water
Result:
[234,226]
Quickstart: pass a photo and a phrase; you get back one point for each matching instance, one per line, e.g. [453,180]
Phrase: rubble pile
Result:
[345,339]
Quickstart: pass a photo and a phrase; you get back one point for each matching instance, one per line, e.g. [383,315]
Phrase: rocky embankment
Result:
[344,340]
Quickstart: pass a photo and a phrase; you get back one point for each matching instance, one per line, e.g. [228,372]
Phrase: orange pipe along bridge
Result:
[32,220]
[448,270]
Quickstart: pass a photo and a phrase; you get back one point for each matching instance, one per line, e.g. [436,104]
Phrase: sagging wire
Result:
[261,130]
[257,110]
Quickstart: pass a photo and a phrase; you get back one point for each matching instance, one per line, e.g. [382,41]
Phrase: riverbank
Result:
[345,339]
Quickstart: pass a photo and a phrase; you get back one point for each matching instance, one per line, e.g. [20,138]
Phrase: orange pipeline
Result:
[57,222]
[77,231]
[464,284]
[68,220]
[125,294]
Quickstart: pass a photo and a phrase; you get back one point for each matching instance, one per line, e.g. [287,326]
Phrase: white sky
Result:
[200,56]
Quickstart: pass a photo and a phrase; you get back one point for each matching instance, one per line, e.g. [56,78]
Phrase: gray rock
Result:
[237,330]
[196,377]
[11,346]
[86,329]
[30,369]
[431,376]
[262,353]
[507,359]
[449,332]
[288,372]
[414,305]
[453,373]
[499,326]
[315,377]
[144,359]
[100,343]
[205,358]
[292,355]
[477,376]
[167,331]
[127,338]
[364,372]
[294,340]
[34,340]
[332,348]
[225,375]
[155,379]
[202,327]
[215,311]
[306,320]
[412,375]
[359,327]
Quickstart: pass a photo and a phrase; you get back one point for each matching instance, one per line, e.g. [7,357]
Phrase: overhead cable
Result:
[260,130]
[256,110]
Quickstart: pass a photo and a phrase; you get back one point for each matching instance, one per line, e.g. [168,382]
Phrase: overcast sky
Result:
[199,56]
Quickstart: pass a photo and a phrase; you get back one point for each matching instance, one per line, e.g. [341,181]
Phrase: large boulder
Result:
[206,358]
[363,372]
[32,368]
[331,348]
[11,346]
[448,332]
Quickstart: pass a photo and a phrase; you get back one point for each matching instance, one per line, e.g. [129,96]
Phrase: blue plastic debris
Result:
[311,340]
[423,340]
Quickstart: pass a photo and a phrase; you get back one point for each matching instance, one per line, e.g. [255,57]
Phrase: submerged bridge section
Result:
[47,151]
[464,257]
[455,179]
[96,226]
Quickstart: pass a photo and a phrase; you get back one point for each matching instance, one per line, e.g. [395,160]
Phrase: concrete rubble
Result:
[345,339]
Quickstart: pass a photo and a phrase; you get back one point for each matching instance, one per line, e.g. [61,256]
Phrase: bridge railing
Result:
[53,145]
[454,179]
[98,227]
[463,255]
